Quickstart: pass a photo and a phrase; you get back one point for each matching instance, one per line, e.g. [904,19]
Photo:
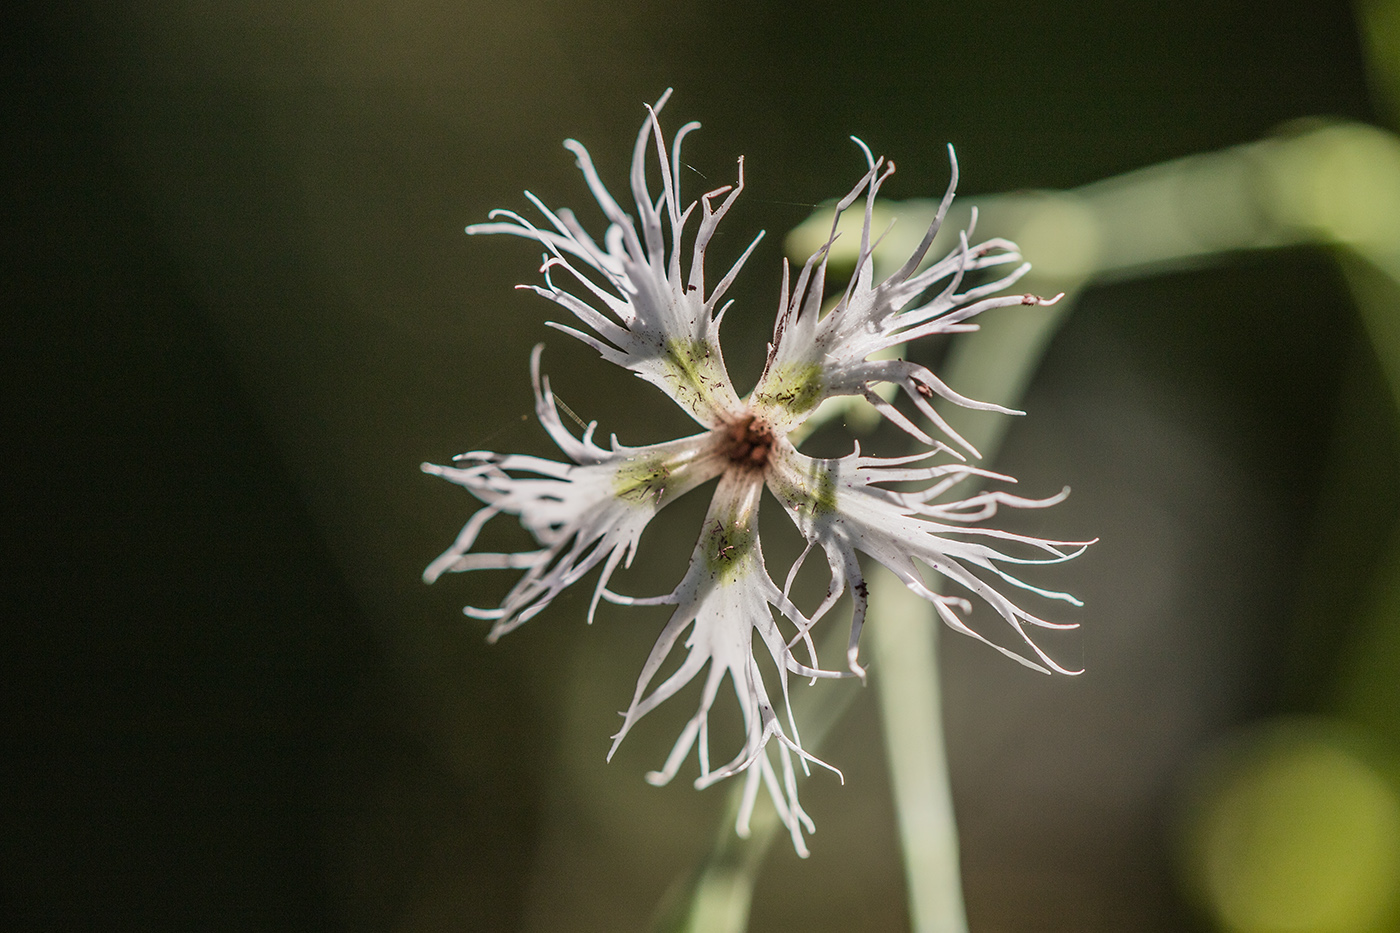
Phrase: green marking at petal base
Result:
[692,366]
[795,387]
[823,497]
[642,480]
[727,549]
[810,494]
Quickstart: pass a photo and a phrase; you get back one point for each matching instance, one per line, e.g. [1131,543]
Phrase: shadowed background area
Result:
[241,310]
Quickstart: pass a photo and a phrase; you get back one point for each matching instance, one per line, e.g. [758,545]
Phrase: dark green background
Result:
[239,310]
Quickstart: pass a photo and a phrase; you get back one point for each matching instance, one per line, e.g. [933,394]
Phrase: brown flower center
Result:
[748,441]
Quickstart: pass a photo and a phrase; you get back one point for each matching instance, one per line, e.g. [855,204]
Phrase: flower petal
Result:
[840,505]
[663,327]
[814,357]
[583,514]
[724,599]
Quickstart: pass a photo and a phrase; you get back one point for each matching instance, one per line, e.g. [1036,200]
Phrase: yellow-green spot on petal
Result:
[810,494]
[823,494]
[642,480]
[727,550]
[795,387]
[693,366]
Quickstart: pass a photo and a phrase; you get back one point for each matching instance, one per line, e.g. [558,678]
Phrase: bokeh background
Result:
[240,310]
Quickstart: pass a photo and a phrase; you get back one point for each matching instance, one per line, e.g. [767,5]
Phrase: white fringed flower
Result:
[637,304]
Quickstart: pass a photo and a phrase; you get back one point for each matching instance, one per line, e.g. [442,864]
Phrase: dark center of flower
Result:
[748,441]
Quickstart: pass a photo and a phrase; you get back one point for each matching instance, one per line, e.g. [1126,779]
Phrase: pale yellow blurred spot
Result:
[1293,833]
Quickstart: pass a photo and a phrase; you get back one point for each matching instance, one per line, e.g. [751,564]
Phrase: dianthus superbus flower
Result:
[640,298]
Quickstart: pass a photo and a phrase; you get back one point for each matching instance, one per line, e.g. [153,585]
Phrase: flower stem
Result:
[995,363]
[905,674]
